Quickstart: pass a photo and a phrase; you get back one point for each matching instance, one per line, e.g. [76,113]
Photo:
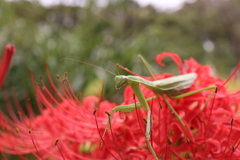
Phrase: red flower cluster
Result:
[67,128]
[213,131]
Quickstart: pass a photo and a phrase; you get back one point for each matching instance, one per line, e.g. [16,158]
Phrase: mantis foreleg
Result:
[127,109]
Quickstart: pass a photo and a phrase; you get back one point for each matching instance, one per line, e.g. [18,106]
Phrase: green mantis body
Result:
[173,87]
[169,86]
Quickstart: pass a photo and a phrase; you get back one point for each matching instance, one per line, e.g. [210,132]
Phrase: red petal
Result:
[175,58]
[5,61]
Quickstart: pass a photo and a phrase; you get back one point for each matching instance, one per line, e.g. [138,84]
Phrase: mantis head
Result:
[120,81]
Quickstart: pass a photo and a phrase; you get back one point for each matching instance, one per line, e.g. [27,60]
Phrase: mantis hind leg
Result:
[214,88]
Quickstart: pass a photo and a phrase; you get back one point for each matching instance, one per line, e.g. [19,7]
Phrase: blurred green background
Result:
[208,31]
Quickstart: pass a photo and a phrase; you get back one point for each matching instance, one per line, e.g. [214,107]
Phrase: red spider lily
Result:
[210,134]
[63,118]
[5,61]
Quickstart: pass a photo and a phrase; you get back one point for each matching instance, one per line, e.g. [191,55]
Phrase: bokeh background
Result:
[113,32]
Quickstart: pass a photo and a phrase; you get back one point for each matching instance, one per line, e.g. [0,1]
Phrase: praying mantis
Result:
[173,87]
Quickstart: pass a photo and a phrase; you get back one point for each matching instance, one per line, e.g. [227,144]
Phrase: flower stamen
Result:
[56,144]
[115,142]
[30,133]
[102,140]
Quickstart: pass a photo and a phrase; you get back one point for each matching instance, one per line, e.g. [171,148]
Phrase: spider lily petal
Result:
[5,61]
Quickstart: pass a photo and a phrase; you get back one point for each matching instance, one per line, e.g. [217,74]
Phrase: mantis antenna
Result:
[114,66]
[89,65]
